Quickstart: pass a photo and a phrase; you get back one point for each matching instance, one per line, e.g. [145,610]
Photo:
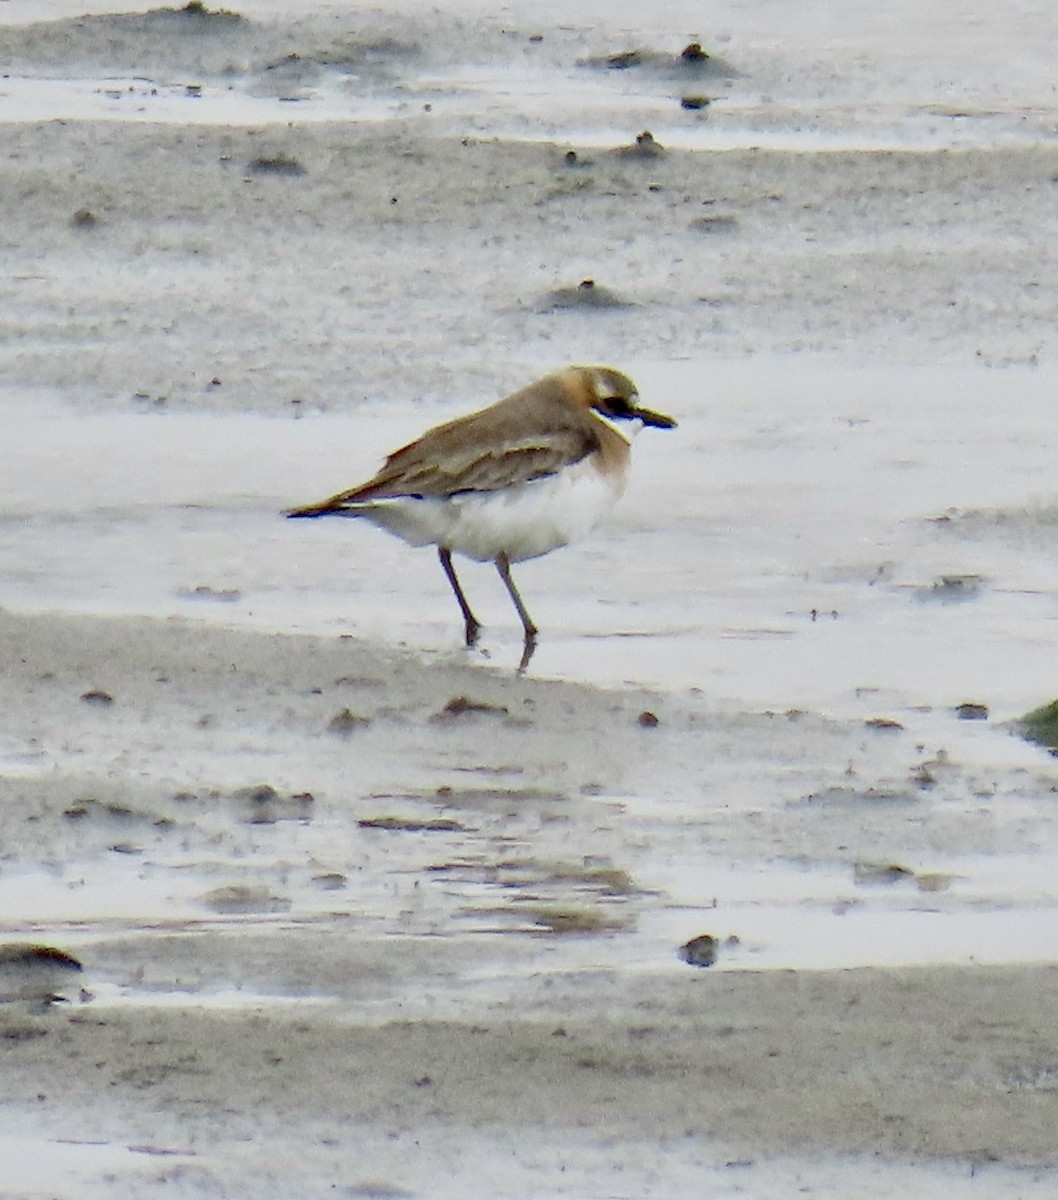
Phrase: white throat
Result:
[627,428]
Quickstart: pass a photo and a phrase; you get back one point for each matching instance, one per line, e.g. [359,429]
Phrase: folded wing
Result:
[422,471]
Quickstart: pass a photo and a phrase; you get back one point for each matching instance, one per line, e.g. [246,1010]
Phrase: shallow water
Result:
[862,544]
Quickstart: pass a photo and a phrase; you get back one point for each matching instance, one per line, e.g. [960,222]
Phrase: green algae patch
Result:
[1041,725]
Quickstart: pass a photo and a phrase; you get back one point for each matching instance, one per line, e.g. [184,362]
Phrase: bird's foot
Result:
[528,649]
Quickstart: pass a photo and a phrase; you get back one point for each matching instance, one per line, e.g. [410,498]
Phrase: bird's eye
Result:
[617,406]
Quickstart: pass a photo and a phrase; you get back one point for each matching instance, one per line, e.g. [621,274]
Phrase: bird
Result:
[510,482]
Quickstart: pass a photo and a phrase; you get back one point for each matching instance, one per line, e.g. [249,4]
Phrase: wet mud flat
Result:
[281,268]
[935,1066]
[337,902]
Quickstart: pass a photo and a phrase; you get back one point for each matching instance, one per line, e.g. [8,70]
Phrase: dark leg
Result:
[471,623]
[503,565]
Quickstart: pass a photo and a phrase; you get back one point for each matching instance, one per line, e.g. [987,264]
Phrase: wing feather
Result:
[475,469]
[501,446]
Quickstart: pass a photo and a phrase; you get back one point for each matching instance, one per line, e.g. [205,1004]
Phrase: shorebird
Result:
[510,482]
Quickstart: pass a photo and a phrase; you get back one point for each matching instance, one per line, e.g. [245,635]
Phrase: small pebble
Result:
[645,146]
[346,722]
[332,881]
[277,164]
[35,974]
[256,793]
[700,951]
[461,706]
[880,873]
[884,723]
[586,294]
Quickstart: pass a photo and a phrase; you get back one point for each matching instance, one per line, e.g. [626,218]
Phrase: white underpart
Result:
[521,522]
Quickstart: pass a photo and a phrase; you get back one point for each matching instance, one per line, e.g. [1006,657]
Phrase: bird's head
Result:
[614,397]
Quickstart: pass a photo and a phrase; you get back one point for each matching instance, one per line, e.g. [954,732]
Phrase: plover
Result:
[511,482]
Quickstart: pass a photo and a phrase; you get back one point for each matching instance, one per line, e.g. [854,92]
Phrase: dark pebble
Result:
[700,951]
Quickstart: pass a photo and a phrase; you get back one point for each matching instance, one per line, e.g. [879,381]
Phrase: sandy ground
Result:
[362,914]
[412,958]
[733,253]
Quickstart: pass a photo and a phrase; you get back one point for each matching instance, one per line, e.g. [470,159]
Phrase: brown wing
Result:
[510,442]
[486,471]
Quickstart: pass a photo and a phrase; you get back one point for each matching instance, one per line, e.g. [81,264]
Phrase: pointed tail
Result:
[323,509]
